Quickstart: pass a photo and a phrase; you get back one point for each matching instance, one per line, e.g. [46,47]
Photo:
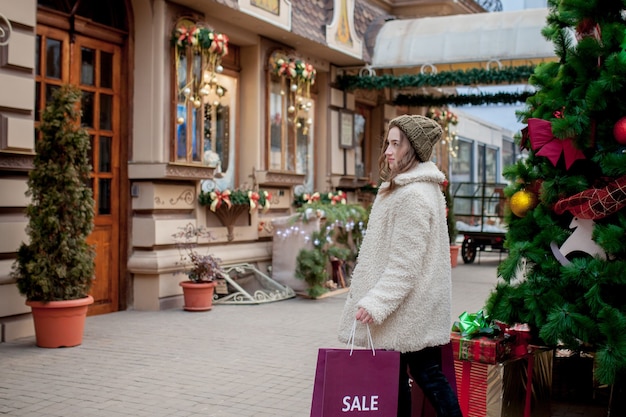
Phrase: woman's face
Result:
[397,147]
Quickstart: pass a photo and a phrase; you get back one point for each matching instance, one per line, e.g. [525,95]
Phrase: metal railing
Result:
[490,5]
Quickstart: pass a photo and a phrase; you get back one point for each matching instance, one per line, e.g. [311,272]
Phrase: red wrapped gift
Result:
[482,349]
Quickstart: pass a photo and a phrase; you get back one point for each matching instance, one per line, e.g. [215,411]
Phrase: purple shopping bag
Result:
[354,383]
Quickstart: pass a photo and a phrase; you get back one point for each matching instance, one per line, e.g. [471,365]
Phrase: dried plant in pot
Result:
[56,267]
[202,270]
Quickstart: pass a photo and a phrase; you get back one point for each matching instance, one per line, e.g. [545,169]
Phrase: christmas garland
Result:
[416,100]
[474,76]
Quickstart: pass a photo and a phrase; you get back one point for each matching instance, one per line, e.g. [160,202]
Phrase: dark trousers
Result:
[424,367]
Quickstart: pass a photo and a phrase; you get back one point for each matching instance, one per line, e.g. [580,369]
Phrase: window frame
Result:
[291,114]
[199,88]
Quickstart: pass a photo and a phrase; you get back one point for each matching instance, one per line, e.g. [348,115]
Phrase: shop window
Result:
[290,114]
[509,152]
[487,164]
[461,165]
[204,96]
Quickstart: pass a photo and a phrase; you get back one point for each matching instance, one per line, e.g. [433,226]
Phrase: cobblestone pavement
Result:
[234,361]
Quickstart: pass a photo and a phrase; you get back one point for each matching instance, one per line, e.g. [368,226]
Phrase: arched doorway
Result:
[85,43]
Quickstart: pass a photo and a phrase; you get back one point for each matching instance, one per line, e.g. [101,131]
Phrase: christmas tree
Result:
[566,271]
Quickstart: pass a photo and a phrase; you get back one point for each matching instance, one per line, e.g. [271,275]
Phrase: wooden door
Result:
[94,66]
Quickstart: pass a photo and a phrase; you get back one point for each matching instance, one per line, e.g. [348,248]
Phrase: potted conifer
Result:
[54,270]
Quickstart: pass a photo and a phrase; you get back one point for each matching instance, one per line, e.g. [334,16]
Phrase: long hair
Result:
[407,162]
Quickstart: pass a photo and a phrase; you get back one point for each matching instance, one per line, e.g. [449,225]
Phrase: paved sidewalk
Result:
[234,361]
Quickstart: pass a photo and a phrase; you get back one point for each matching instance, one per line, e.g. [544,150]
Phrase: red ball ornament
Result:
[619,131]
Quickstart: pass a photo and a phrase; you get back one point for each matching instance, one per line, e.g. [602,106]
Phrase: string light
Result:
[446,119]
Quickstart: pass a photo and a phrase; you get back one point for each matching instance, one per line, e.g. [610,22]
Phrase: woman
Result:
[402,281]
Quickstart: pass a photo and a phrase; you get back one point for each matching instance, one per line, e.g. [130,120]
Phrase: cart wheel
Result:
[468,251]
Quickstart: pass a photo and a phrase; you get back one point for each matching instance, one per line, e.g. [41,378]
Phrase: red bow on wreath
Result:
[539,132]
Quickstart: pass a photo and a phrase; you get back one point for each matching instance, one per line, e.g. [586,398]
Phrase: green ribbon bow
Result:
[473,324]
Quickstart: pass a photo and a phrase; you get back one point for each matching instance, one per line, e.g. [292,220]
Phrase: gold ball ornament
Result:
[180,120]
[522,202]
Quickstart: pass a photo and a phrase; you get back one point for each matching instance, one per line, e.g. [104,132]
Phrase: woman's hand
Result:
[363,316]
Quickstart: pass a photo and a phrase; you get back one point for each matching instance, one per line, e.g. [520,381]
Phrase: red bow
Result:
[186,34]
[220,197]
[546,144]
[595,203]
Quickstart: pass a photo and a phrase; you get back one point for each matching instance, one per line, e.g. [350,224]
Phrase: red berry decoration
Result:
[619,131]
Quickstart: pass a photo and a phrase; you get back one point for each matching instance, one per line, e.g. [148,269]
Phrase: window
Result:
[487,164]
[203,96]
[290,114]
[491,164]
[362,140]
[461,166]
[508,152]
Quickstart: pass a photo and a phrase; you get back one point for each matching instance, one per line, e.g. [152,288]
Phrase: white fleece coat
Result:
[402,276]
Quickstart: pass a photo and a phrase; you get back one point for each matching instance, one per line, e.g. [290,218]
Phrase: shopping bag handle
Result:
[370,342]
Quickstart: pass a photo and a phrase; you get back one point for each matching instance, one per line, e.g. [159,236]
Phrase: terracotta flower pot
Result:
[454,255]
[60,323]
[198,296]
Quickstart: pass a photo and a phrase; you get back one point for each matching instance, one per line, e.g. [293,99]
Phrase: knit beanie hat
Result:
[422,132]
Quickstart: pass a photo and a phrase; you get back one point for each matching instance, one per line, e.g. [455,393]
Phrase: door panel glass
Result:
[91,150]
[106,110]
[50,89]
[38,56]
[106,70]
[87,106]
[37,100]
[53,58]
[104,154]
[87,66]
[104,196]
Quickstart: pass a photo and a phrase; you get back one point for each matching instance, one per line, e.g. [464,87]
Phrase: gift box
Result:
[484,349]
[518,387]
[475,338]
